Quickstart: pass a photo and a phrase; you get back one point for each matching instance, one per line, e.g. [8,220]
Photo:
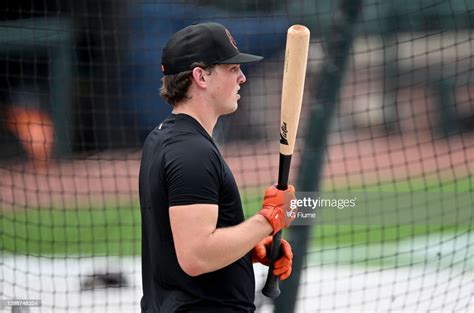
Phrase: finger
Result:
[260,251]
[290,188]
[267,241]
[282,271]
[264,260]
[282,262]
[271,192]
[286,249]
[285,275]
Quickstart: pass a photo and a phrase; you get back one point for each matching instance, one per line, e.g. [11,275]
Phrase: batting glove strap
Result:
[276,207]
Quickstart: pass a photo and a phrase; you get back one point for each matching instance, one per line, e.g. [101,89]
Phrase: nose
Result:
[242,79]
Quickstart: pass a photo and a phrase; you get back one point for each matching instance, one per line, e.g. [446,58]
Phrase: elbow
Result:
[192,270]
[191,266]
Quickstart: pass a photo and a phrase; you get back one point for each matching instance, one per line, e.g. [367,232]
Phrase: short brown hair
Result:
[174,88]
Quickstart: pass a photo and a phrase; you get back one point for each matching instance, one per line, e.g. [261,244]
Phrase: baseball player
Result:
[197,248]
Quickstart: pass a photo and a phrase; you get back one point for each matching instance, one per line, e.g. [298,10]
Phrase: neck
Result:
[206,118]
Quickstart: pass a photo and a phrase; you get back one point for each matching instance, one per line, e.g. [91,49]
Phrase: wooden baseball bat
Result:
[294,72]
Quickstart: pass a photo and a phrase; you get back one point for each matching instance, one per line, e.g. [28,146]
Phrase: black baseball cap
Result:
[209,43]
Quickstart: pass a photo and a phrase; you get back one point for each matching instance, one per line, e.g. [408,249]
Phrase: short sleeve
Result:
[192,173]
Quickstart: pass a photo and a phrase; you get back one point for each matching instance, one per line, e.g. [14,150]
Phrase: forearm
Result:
[226,245]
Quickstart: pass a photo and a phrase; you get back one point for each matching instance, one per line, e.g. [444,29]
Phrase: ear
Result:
[199,77]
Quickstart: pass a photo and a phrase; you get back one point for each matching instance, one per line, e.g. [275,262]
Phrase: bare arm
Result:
[202,248]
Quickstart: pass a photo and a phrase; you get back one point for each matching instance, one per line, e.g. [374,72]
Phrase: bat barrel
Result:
[299,30]
[294,73]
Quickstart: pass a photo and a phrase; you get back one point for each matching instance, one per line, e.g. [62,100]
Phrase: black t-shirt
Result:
[181,165]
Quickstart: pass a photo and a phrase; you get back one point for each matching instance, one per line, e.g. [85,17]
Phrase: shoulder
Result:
[191,148]
[178,141]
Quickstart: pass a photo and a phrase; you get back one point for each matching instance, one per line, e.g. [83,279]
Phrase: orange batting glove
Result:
[276,207]
[282,266]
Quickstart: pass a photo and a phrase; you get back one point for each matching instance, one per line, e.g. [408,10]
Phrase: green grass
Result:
[430,183]
[111,230]
[96,231]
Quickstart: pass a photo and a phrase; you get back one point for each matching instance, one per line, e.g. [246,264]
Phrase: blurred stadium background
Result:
[388,111]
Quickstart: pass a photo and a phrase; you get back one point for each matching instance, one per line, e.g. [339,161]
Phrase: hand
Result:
[276,207]
[282,266]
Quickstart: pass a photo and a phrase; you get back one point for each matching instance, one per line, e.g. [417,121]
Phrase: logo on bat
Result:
[284,134]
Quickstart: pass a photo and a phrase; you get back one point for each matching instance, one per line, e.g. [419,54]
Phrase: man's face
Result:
[224,85]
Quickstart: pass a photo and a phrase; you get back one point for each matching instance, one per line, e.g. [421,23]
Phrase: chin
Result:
[236,106]
[231,109]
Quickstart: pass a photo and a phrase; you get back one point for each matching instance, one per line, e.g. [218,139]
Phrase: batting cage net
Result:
[383,162]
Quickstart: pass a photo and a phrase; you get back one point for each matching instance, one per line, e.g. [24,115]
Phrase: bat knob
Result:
[271,292]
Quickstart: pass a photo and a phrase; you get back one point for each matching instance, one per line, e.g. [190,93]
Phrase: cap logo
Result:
[231,39]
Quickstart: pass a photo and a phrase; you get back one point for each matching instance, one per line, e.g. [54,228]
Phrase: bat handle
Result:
[272,288]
